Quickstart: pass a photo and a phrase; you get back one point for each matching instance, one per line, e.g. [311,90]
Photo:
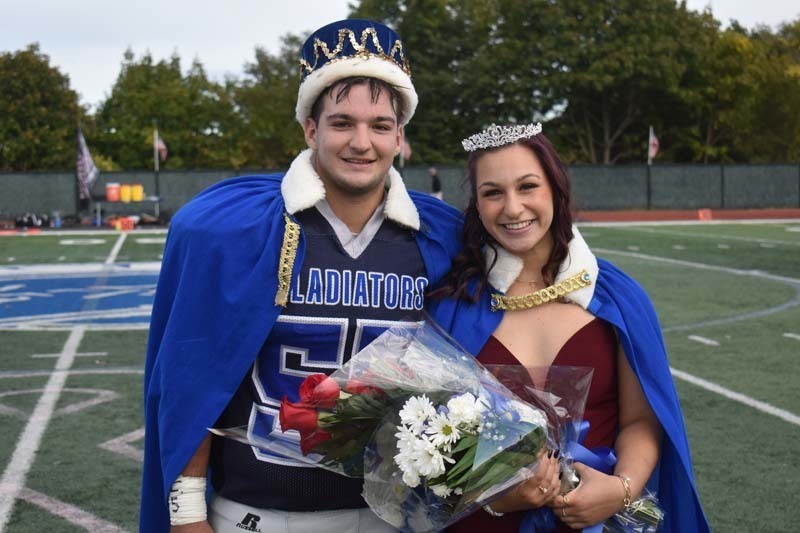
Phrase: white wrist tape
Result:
[187,501]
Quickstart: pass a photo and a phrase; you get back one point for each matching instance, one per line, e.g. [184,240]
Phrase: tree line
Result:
[597,73]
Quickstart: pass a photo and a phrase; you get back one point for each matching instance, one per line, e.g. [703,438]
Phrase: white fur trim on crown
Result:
[371,67]
[302,188]
[579,257]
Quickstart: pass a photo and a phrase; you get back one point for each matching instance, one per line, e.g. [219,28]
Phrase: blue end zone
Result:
[118,297]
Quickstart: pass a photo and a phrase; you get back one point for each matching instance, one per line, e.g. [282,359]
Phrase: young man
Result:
[267,279]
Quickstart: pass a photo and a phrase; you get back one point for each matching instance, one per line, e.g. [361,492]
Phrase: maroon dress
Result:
[595,345]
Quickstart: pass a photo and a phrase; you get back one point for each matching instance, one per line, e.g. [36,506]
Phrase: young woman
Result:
[527,290]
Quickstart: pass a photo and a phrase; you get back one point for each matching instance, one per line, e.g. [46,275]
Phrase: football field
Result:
[74,308]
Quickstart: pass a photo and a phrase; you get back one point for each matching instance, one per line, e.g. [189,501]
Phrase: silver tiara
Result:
[495,136]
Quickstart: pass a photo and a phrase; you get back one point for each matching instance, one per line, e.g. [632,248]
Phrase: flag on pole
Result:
[652,146]
[159,149]
[85,169]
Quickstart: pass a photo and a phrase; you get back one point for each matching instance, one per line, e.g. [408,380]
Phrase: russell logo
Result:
[250,523]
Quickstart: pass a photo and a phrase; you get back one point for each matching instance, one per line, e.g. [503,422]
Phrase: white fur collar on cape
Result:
[302,188]
[579,257]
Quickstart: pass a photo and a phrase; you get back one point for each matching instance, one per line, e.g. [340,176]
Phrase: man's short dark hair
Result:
[376,88]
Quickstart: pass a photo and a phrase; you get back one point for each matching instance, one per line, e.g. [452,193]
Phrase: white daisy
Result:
[464,409]
[442,431]
[429,460]
[406,461]
[416,412]
[405,438]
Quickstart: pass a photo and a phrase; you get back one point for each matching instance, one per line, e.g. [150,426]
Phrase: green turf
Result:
[128,349]
[28,518]
[753,358]
[18,346]
[745,464]
[48,249]
[777,232]
[71,439]
[69,465]
[22,393]
[782,259]
[37,249]
[134,250]
[686,295]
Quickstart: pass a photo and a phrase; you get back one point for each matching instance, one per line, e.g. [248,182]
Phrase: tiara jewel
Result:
[495,136]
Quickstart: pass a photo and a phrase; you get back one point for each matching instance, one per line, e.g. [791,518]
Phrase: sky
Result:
[86,39]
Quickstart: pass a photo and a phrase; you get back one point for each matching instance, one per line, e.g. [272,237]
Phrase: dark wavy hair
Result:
[340,89]
[470,263]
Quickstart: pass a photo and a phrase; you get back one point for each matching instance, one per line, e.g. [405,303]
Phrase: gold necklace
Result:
[531,282]
[542,296]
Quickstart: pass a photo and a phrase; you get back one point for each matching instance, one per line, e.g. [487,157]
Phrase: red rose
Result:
[297,416]
[354,386]
[310,441]
[319,390]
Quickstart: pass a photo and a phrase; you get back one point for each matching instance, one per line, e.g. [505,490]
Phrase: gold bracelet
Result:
[626,485]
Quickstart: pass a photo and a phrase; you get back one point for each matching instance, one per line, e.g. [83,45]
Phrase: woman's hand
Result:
[595,499]
[538,491]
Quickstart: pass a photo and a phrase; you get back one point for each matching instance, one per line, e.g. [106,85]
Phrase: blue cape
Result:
[214,308]
[619,300]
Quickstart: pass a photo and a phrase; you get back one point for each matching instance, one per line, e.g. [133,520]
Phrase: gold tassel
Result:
[291,237]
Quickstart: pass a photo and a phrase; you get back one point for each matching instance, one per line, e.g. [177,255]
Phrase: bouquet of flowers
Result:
[431,431]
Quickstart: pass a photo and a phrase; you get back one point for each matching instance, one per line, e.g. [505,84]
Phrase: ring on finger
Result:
[543,489]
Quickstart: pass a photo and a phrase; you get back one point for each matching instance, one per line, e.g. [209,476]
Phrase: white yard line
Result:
[122,445]
[56,355]
[701,266]
[703,340]
[65,321]
[102,232]
[738,397]
[14,374]
[72,270]
[744,222]
[13,480]
[68,512]
[794,336]
[100,396]
[763,242]
[115,250]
